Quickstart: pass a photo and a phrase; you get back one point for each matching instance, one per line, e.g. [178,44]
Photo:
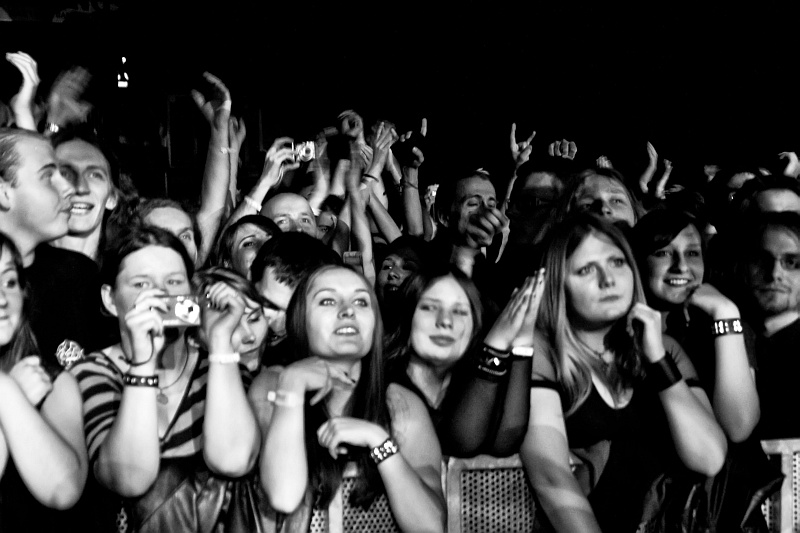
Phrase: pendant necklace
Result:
[162,398]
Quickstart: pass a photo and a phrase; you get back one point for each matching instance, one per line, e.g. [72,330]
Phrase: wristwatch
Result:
[522,351]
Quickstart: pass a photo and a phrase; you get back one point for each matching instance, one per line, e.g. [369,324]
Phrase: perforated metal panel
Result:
[496,500]
[377,519]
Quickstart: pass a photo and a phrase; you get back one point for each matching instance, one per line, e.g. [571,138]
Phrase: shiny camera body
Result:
[304,152]
[182,311]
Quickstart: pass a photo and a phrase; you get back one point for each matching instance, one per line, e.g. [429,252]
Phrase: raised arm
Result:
[237,132]
[699,440]
[231,438]
[358,199]
[279,157]
[22,103]
[216,109]
[412,204]
[65,105]
[520,153]
[47,447]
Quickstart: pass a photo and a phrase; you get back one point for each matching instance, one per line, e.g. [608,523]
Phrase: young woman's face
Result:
[152,267]
[442,326]
[340,315]
[247,241]
[675,270]
[249,335]
[10,297]
[598,283]
[394,271]
[607,198]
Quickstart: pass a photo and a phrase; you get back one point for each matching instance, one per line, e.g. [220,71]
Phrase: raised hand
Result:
[280,157]
[225,307]
[32,379]
[520,151]
[662,183]
[644,325]
[216,109]
[338,431]
[563,148]
[416,157]
[385,137]
[603,162]
[22,102]
[652,155]
[526,331]
[64,104]
[352,125]
[792,168]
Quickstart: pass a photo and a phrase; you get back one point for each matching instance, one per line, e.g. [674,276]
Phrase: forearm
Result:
[699,440]
[386,224]
[216,176]
[363,237]
[321,190]
[735,399]
[128,459]
[231,436]
[53,471]
[415,506]
[514,402]
[560,495]
[338,182]
[283,463]
[412,205]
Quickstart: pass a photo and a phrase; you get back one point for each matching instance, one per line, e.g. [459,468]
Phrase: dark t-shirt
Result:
[778,370]
[65,302]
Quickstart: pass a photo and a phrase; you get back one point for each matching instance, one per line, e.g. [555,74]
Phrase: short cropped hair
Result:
[293,256]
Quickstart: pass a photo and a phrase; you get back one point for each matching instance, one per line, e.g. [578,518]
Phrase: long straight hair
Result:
[23,343]
[574,362]
[368,402]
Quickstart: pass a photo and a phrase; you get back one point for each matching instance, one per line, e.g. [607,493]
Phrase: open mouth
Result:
[677,282]
[80,208]
[346,331]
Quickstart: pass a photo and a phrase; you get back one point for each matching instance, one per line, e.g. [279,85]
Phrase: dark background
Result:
[705,85]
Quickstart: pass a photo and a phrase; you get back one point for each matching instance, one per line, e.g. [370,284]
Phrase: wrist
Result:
[499,345]
[291,383]
[726,312]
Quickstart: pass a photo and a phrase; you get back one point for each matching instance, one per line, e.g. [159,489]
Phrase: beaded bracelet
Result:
[727,326]
[664,373]
[140,381]
[224,358]
[380,453]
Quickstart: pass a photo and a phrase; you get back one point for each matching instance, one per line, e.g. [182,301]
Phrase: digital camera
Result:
[182,311]
[304,152]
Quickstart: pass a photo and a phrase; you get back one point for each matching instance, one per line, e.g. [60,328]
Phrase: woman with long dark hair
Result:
[332,405]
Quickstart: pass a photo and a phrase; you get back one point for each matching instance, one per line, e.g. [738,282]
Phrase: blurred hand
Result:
[520,312]
[644,325]
[64,104]
[280,156]
[483,226]
[225,307]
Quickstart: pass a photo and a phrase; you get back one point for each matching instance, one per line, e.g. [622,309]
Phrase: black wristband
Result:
[664,373]
[492,362]
[140,381]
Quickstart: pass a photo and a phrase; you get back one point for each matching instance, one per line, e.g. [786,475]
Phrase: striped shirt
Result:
[100,381]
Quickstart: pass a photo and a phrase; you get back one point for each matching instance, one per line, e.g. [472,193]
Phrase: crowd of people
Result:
[217,368]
